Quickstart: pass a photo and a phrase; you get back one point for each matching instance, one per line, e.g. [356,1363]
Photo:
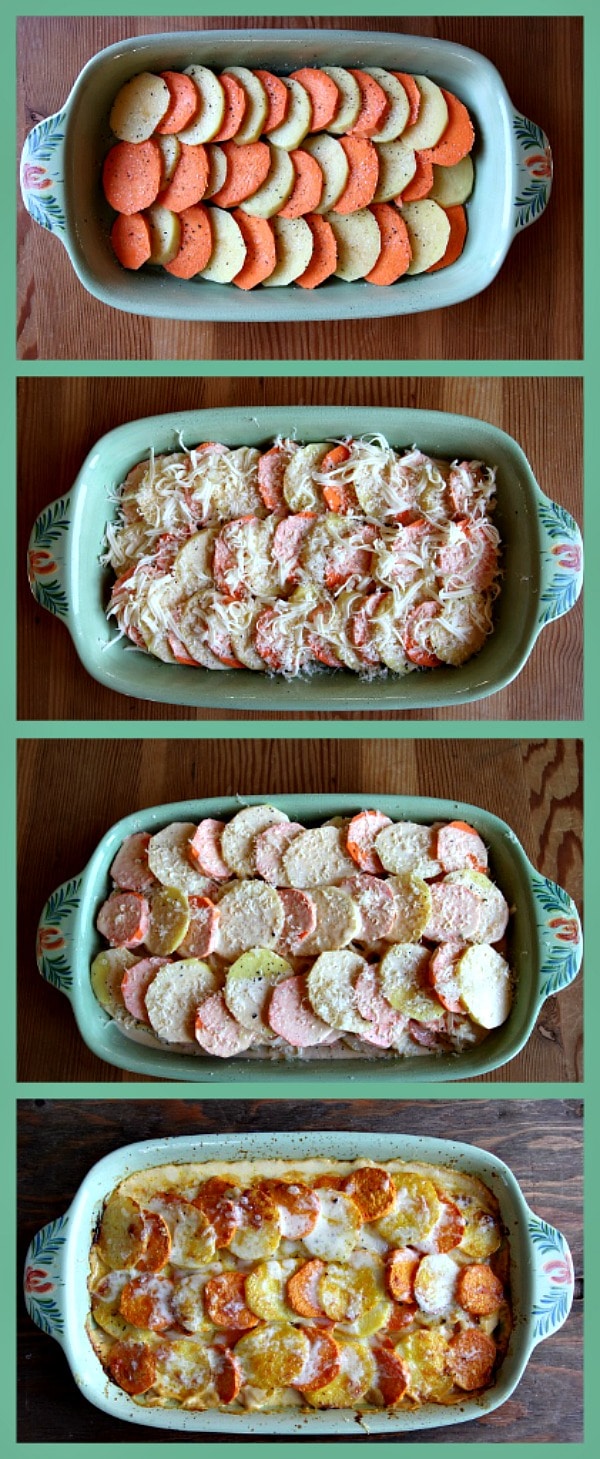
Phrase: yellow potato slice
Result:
[402,972]
[432,119]
[412,901]
[454,184]
[354,1297]
[424,1353]
[107,975]
[301,492]
[428,232]
[397,167]
[358,243]
[495,911]
[169,921]
[257,105]
[275,192]
[272,1356]
[121,1240]
[357,1374]
[228,251]
[293,129]
[192,1236]
[334,165]
[350,101]
[187,1302]
[397,115]
[435,1285]
[265,1290]
[212,107]
[248,985]
[139,107]
[318,857]
[183,1369]
[165,233]
[415,1212]
[386,632]
[482,1235]
[336,1232]
[294,246]
[485,985]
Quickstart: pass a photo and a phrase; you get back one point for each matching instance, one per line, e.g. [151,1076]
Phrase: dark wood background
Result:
[68,415]
[540,1140]
[71,791]
[533,309]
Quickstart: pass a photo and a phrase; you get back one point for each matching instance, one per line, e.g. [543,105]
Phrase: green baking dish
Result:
[546,947]
[542,1280]
[542,562]
[62,156]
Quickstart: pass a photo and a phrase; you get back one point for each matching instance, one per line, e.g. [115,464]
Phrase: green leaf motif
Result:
[47,1314]
[559,597]
[63,902]
[552,897]
[56,971]
[46,138]
[528,133]
[48,1242]
[560,967]
[52,522]
[557,521]
[52,596]
[47,211]
[550,1311]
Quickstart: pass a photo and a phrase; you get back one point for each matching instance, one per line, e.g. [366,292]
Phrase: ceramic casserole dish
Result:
[57,1266]
[545,947]
[62,156]
[541,562]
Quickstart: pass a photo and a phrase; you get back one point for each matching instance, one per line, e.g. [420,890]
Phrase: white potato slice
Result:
[334,165]
[165,233]
[338,921]
[432,119]
[452,185]
[229,250]
[358,243]
[295,126]
[139,107]
[250,980]
[337,1229]
[170,149]
[406,846]
[403,973]
[331,989]
[242,626]
[485,986]
[237,841]
[350,99]
[250,915]
[275,192]
[217,169]
[397,167]
[257,105]
[192,629]
[294,245]
[168,858]
[302,494]
[495,910]
[318,857]
[396,118]
[386,635]
[212,106]
[173,998]
[192,567]
[428,231]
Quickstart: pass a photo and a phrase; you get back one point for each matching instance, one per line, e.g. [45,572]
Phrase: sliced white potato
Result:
[218,169]
[454,184]
[428,231]
[237,842]
[495,910]
[338,921]
[485,985]
[358,243]
[294,245]
[173,997]
[139,107]
[229,250]
[432,119]
[165,233]
[170,861]
[385,631]
[406,846]
[170,148]
[251,915]
[318,857]
[397,167]
[192,567]
[301,492]
[403,974]
[334,165]
[275,192]
[257,105]
[248,985]
[212,106]
[331,989]
[350,99]
[395,121]
[291,132]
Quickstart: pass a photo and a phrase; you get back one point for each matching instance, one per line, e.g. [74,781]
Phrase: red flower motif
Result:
[40,563]
[35,179]
[569,555]
[49,939]
[36,1280]
[561,1271]
[540,163]
[570,928]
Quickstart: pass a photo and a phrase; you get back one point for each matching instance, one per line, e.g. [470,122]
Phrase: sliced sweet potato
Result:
[324,255]
[395,254]
[130,239]
[458,138]
[183,104]
[196,243]
[235,107]
[421,184]
[308,187]
[278,98]
[261,254]
[363,174]
[131,176]
[247,169]
[189,180]
[374,104]
[323,93]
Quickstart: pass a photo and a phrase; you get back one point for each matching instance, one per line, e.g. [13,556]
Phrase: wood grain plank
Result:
[533,309]
[540,1140]
[534,785]
[68,415]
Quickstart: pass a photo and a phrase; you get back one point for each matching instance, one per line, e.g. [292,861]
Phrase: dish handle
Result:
[46,555]
[560,935]
[44,1278]
[41,173]
[553,1278]
[55,935]
[561,562]
[534,171]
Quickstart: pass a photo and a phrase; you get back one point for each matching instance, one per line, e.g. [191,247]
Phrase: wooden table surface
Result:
[545,416]
[540,1140]
[533,309]
[71,792]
